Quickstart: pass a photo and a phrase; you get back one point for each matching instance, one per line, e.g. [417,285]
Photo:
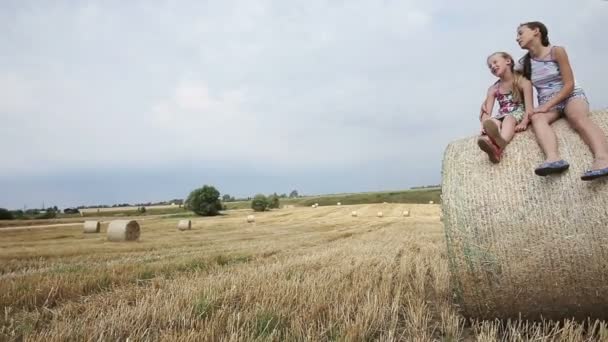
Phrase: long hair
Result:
[544,39]
[516,89]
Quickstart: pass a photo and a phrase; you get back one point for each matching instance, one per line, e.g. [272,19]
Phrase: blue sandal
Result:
[594,174]
[552,167]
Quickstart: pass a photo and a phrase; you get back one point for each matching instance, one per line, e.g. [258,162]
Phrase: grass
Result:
[298,274]
[404,196]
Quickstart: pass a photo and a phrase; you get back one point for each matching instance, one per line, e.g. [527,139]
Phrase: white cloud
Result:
[304,84]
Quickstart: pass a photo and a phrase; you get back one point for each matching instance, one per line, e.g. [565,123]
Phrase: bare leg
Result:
[577,111]
[507,130]
[544,134]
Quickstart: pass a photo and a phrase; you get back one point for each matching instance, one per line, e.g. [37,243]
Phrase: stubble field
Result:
[298,274]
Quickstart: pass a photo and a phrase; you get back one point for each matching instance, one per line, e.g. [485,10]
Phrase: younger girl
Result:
[549,70]
[512,91]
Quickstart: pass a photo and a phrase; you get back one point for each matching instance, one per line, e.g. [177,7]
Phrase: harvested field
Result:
[295,274]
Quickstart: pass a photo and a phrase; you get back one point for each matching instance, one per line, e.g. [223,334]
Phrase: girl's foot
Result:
[493,132]
[599,163]
[593,174]
[488,147]
[599,170]
[548,168]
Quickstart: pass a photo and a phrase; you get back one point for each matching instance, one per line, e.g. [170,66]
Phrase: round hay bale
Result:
[250,218]
[406,213]
[91,226]
[184,225]
[431,202]
[522,244]
[339,203]
[353,213]
[123,230]
[379,214]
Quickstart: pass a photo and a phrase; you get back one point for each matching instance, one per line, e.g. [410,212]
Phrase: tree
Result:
[204,201]
[293,194]
[226,198]
[141,210]
[6,215]
[273,201]
[259,203]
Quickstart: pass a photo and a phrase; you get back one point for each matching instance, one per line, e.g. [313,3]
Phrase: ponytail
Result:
[527,72]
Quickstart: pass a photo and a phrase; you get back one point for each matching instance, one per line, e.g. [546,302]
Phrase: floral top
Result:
[506,103]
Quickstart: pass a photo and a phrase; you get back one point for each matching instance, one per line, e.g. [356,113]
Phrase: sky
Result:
[106,102]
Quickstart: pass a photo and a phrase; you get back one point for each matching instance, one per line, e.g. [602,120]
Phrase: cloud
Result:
[299,85]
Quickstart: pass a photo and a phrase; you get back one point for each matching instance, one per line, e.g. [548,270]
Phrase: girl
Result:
[549,70]
[511,91]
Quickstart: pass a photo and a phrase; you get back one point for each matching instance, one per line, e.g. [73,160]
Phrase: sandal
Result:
[493,133]
[552,167]
[488,147]
[594,174]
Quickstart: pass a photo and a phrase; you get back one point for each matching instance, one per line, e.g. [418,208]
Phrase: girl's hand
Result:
[522,125]
[542,109]
[482,111]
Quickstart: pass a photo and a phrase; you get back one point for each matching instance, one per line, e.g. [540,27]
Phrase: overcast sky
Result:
[136,101]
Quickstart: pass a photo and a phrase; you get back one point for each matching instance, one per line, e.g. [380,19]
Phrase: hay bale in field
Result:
[339,203]
[353,213]
[123,230]
[91,226]
[520,243]
[379,214]
[431,202]
[406,213]
[184,225]
[250,218]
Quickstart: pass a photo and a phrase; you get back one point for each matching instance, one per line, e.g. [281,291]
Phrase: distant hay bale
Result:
[339,203]
[520,243]
[353,213]
[431,202]
[250,218]
[406,213]
[379,214]
[92,226]
[184,225]
[123,230]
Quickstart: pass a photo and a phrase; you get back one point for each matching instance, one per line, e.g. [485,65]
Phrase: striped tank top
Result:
[546,77]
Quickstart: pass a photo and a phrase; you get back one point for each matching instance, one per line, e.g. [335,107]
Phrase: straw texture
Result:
[184,225]
[123,230]
[91,226]
[523,244]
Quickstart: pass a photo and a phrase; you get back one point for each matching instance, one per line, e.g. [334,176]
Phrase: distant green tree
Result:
[204,201]
[293,194]
[6,215]
[226,198]
[273,201]
[259,203]
[141,210]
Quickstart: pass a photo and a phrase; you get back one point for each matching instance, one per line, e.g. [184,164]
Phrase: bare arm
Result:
[526,87]
[488,104]
[567,77]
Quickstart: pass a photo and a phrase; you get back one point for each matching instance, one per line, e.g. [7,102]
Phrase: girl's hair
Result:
[516,89]
[544,39]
